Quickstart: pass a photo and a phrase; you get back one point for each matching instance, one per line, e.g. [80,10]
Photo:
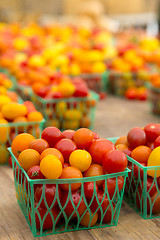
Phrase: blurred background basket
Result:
[25,197]
[154,98]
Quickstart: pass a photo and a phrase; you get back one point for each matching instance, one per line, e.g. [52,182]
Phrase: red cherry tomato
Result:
[156,142]
[89,189]
[98,148]
[52,135]
[114,161]
[104,204]
[152,131]
[77,200]
[68,134]
[111,185]
[136,137]
[50,195]
[48,222]
[83,138]
[127,152]
[66,147]
[131,93]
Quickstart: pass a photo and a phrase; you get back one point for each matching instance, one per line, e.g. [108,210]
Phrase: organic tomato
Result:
[28,158]
[89,189]
[121,147]
[21,142]
[39,145]
[71,172]
[114,161]
[52,151]
[111,185]
[70,207]
[154,160]
[104,203]
[48,222]
[83,138]
[52,135]
[49,193]
[127,152]
[136,137]
[51,167]
[89,220]
[95,170]
[131,93]
[152,131]
[122,140]
[68,134]
[80,159]
[141,154]
[66,147]
[156,142]
[98,148]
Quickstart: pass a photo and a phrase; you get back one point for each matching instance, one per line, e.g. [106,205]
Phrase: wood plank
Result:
[114,117]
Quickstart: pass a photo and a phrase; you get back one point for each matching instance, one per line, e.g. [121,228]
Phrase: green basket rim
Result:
[113,139]
[17,124]
[69,180]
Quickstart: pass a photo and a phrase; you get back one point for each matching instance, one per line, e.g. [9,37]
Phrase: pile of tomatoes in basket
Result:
[71,155]
[143,145]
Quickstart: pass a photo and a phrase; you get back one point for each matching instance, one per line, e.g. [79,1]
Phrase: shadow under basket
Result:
[55,212]
[142,192]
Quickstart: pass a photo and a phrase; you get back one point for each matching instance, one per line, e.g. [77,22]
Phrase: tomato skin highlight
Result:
[136,137]
[52,135]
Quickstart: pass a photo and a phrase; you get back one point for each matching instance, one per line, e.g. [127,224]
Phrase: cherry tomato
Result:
[157,142]
[155,199]
[131,93]
[86,220]
[114,161]
[66,147]
[68,134]
[51,167]
[39,145]
[89,189]
[71,172]
[80,159]
[50,195]
[95,170]
[83,138]
[98,148]
[141,154]
[137,171]
[104,203]
[66,165]
[52,151]
[111,185]
[136,137]
[152,131]
[127,152]
[77,200]
[52,135]
[48,222]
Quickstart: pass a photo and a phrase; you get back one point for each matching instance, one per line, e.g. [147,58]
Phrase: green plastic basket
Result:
[154,98]
[97,82]
[68,113]
[137,193]
[10,130]
[119,82]
[25,190]
[24,91]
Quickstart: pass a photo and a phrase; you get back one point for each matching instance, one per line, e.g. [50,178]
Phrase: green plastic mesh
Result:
[138,194]
[61,221]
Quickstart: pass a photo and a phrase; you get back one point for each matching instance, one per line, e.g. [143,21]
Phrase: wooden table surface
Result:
[114,117]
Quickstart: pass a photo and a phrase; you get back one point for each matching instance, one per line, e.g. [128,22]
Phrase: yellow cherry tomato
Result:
[80,159]
[51,167]
[154,160]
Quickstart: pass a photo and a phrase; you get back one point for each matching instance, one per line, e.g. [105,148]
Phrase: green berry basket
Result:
[139,194]
[10,130]
[97,82]
[55,214]
[68,113]
[154,98]
[119,82]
